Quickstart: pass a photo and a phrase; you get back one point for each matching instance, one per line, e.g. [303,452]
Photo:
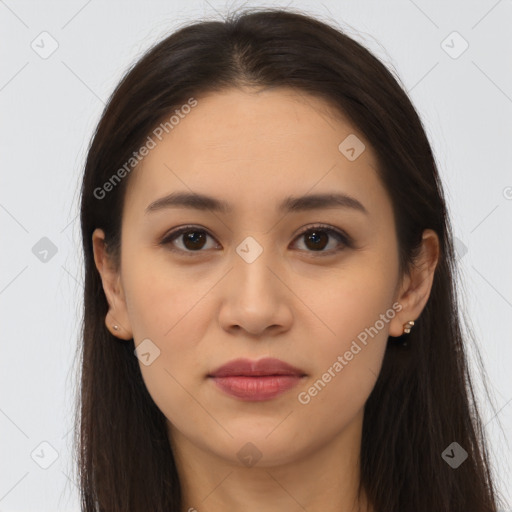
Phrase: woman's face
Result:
[255,280]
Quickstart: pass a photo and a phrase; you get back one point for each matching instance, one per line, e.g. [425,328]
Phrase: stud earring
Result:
[116,327]
[408,327]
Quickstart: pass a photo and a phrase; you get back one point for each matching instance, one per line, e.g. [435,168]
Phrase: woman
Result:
[270,310]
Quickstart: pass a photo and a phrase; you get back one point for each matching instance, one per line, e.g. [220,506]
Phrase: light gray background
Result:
[50,106]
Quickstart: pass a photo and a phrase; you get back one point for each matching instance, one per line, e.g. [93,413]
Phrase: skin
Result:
[253,148]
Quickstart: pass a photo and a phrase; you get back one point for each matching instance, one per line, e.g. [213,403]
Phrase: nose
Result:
[256,298]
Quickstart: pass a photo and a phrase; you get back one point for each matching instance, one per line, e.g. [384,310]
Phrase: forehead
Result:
[239,145]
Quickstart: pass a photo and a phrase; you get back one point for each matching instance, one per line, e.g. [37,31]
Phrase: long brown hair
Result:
[423,399]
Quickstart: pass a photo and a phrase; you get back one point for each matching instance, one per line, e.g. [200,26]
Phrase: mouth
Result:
[256,380]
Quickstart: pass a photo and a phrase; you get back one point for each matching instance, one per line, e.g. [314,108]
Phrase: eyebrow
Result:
[195,201]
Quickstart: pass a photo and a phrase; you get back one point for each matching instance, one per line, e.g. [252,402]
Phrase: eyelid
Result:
[341,235]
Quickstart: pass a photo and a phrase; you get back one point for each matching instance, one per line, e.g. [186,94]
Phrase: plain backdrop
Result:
[60,62]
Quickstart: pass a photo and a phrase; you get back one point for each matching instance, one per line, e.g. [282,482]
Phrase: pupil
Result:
[195,238]
[315,237]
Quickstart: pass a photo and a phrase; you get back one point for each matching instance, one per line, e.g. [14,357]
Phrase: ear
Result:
[112,286]
[415,287]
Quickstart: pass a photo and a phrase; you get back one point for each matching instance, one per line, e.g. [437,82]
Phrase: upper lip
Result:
[246,367]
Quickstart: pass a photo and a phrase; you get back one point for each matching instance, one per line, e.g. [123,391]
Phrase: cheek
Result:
[352,300]
[168,308]
[356,308]
[161,298]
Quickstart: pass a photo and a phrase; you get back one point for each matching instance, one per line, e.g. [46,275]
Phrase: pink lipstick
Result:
[256,380]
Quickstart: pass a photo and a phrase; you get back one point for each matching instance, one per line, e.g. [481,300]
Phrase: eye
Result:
[317,237]
[192,239]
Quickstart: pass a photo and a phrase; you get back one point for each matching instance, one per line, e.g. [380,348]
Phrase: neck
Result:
[325,478]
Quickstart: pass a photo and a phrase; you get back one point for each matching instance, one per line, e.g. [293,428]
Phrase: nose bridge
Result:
[251,266]
[254,297]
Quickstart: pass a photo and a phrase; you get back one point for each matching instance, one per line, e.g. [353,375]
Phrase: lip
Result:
[262,367]
[256,380]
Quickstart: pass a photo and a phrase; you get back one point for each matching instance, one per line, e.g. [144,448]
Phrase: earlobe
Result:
[112,287]
[417,285]
[116,328]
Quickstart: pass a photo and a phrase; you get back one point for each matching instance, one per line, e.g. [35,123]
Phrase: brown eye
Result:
[317,238]
[191,239]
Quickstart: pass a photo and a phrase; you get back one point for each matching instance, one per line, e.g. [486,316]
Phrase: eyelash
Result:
[340,235]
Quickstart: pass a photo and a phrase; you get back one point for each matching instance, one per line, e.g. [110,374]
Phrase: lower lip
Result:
[256,389]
